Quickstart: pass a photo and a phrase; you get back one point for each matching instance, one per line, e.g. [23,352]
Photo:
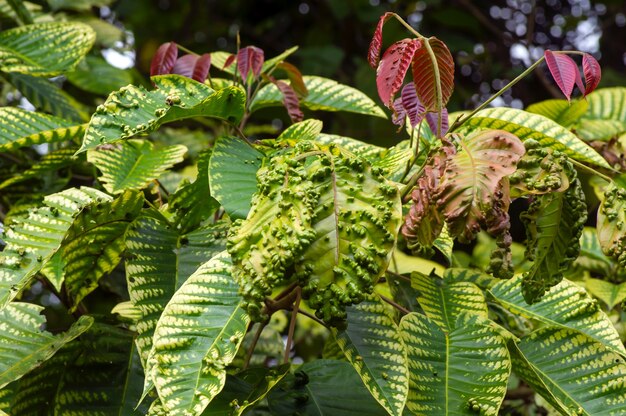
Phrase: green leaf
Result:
[133,164]
[232,174]
[591,257]
[93,245]
[45,49]
[50,162]
[609,293]
[574,373]
[607,104]
[199,333]
[533,126]
[480,279]
[372,344]
[610,223]
[33,239]
[590,130]
[393,161]
[324,388]
[459,372]
[565,305]
[21,128]
[161,258]
[46,96]
[324,95]
[97,76]
[78,5]
[367,151]
[444,302]
[24,344]
[561,111]
[554,223]
[303,130]
[133,110]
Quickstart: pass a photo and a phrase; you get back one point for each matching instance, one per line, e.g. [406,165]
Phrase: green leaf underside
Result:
[94,243]
[444,302]
[533,126]
[232,175]
[560,111]
[133,164]
[134,110]
[325,95]
[33,239]
[44,49]
[372,344]
[50,162]
[333,389]
[574,373]
[196,337]
[609,293]
[451,372]
[161,258]
[303,130]
[566,306]
[24,345]
[591,256]
[21,128]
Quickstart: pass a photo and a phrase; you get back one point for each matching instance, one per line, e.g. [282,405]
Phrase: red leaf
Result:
[412,105]
[297,83]
[399,112]
[290,100]
[193,66]
[592,71]
[249,59]
[392,68]
[424,74]
[373,55]
[229,61]
[433,119]
[564,71]
[164,59]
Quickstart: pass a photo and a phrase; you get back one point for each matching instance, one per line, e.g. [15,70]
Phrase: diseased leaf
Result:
[193,66]
[592,71]
[373,54]
[425,70]
[250,61]
[564,71]
[392,68]
[164,59]
[610,223]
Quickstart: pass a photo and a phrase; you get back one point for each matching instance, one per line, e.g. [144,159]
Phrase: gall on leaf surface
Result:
[392,68]
[250,59]
[424,74]
[290,100]
[193,66]
[564,71]
[592,72]
[164,59]
[373,54]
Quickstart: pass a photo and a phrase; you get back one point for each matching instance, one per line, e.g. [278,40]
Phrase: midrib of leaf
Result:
[433,59]
[126,378]
[335,213]
[474,169]
[317,406]
[123,185]
[447,335]
[552,231]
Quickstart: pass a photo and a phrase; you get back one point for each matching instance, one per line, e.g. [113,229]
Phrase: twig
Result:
[310,315]
[252,346]
[590,170]
[397,275]
[292,324]
[395,305]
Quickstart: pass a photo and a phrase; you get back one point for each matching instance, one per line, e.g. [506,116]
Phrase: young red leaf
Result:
[564,71]
[193,66]
[290,100]
[412,105]
[229,61]
[593,73]
[424,70]
[297,83]
[164,59]
[250,59]
[392,68]
[433,119]
[373,55]
[399,113]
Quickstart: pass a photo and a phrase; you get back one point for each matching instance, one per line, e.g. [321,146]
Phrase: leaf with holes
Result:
[199,331]
[45,49]
[432,73]
[24,345]
[372,344]
[193,66]
[392,68]
[133,164]
[461,371]
[164,59]
[232,174]
[373,54]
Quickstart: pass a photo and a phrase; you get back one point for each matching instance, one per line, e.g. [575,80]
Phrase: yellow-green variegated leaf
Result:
[324,94]
[459,372]
[50,162]
[133,110]
[133,164]
[303,130]
[24,344]
[589,129]
[607,104]
[94,243]
[45,49]
[480,279]
[610,293]
[563,112]
[21,128]
[565,305]
[33,239]
[367,151]
[574,373]
[160,259]
[232,174]
[372,344]
[197,336]
[527,125]
[444,302]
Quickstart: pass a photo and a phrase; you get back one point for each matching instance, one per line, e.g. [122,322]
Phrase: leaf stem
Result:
[408,26]
[182,48]
[590,170]
[394,304]
[292,324]
[311,316]
[255,341]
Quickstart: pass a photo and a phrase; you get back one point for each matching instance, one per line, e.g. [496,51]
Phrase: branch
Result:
[394,304]
[292,323]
